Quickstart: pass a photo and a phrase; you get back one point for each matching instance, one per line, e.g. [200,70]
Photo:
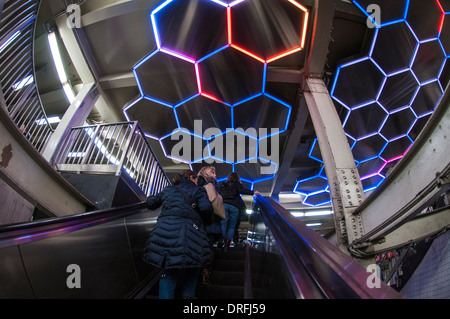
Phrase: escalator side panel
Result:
[102,254]
[13,278]
[139,227]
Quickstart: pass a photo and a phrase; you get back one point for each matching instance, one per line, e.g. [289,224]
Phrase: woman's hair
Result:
[206,172]
[186,174]
[234,177]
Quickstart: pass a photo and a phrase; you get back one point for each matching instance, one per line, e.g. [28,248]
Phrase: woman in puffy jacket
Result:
[231,190]
[179,241]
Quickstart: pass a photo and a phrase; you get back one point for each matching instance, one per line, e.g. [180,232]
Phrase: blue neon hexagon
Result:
[358,82]
[166,77]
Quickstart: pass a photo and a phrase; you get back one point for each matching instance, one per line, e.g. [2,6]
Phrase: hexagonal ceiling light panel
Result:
[230,76]
[210,65]
[166,78]
[266,42]
[402,75]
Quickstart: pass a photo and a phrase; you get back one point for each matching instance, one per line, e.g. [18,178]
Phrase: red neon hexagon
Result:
[268,30]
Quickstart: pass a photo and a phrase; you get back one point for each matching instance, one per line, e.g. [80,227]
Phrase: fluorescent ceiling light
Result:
[318,213]
[313,213]
[314,224]
[290,196]
[60,67]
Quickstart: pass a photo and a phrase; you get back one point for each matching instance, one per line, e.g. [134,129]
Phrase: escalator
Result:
[101,251]
[99,255]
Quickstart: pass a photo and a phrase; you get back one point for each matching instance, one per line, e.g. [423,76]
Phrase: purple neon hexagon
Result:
[181,25]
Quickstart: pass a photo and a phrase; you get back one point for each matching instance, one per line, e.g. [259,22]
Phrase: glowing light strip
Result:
[178,55]
[264,78]
[155,31]
[60,67]
[298,5]
[235,2]
[220,2]
[212,97]
[305,28]
[229,26]
[286,53]
[161,6]
[197,74]
[441,23]
[248,53]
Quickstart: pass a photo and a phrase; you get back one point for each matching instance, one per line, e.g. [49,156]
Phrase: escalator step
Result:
[208,291]
[228,265]
[227,278]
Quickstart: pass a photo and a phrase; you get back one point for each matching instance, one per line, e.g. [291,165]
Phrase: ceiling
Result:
[187,66]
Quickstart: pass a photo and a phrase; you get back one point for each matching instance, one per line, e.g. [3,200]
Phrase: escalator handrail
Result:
[16,234]
[337,274]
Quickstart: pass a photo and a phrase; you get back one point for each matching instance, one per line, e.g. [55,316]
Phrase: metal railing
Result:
[318,268]
[20,95]
[112,149]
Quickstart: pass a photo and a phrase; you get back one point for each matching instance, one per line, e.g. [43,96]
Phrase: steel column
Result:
[343,177]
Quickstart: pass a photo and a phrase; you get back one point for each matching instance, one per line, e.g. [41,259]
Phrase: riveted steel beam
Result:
[343,177]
